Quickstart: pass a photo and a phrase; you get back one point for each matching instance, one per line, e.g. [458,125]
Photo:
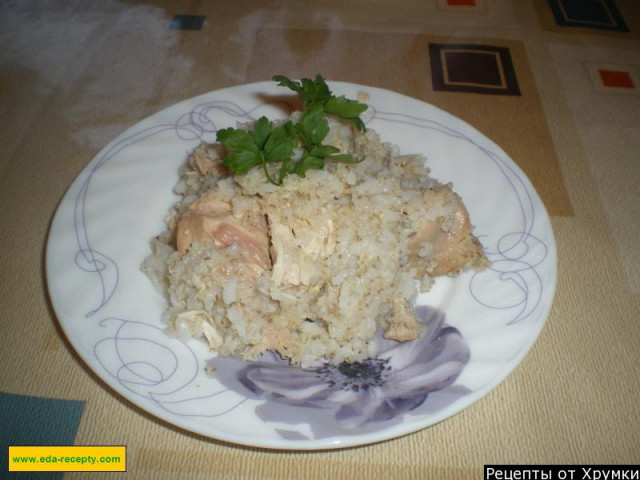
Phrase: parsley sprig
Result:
[316,92]
[268,144]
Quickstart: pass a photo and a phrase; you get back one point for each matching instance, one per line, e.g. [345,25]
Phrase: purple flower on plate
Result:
[399,379]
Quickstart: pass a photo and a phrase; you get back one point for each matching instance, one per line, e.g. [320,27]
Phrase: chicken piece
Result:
[206,158]
[445,246]
[403,325]
[278,339]
[297,247]
[282,251]
[210,220]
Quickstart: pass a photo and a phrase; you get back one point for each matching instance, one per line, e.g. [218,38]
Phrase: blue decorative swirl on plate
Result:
[150,364]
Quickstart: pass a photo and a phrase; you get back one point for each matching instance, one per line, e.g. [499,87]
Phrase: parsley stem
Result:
[265,166]
[283,170]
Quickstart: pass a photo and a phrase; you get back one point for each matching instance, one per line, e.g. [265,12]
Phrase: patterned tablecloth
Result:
[555,83]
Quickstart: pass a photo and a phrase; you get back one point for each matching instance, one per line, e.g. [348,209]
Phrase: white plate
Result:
[480,325]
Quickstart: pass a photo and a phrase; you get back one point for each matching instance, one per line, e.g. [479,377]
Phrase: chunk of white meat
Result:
[210,220]
[445,245]
[296,247]
[206,158]
[403,325]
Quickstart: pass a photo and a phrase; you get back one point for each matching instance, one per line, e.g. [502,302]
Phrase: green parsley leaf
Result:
[280,144]
[237,140]
[313,127]
[310,91]
[344,107]
[241,162]
[261,131]
[348,109]
[317,92]
[329,152]
[266,145]
[307,162]
[344,158]
[324,150]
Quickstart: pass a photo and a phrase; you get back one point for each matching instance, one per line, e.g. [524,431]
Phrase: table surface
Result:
[561,96]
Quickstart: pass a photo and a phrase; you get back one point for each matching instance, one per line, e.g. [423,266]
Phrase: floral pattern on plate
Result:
[367,394]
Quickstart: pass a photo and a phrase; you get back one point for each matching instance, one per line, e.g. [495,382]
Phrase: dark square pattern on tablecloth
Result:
[187,22]
[461,3]
[473,69]
[598,14]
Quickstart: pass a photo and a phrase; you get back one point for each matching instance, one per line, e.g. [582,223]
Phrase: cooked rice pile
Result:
[311,269]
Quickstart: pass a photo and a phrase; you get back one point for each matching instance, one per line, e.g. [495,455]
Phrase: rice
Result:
[340,265]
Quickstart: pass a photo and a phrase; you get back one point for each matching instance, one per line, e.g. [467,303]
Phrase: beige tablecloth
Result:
[563,100]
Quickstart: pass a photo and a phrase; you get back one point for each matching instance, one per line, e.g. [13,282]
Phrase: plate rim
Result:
[325,443]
